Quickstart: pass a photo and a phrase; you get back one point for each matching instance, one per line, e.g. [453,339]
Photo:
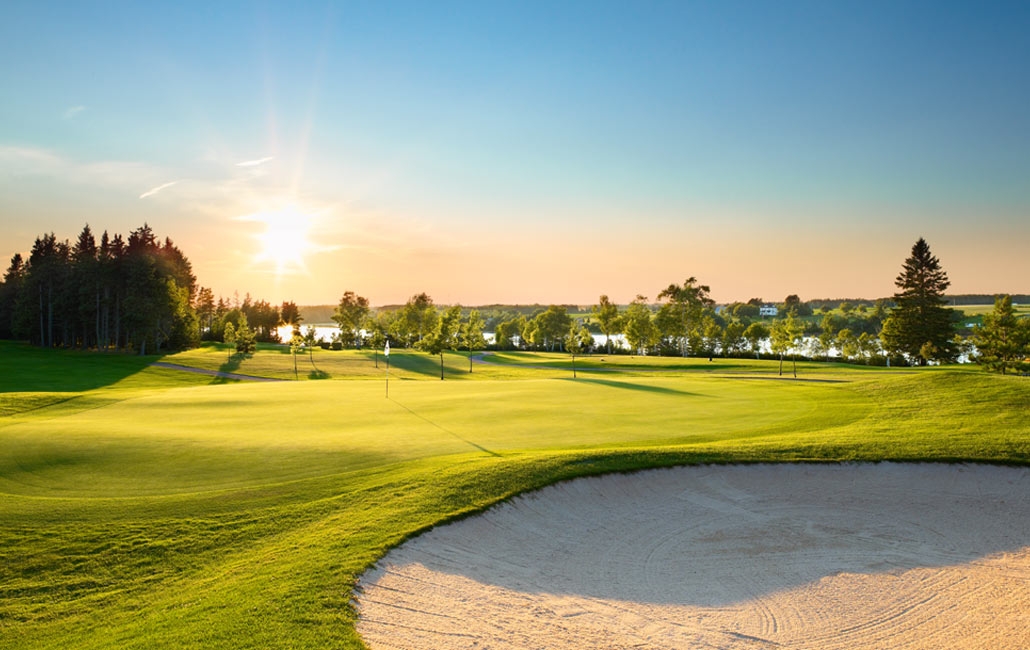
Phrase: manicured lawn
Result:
[146,508]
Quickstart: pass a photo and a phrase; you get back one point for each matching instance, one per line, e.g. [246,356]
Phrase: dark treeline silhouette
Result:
[133,293]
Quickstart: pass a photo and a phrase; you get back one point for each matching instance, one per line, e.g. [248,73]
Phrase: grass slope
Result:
[142,507]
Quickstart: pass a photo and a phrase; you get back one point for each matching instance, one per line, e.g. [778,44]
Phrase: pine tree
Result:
[920,326]
[1003,341]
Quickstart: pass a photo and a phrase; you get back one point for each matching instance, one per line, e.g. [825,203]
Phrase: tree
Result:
[686,305]
[711,335]
[229,337]
[506,331]
[754,335]
[443,337]
[607,315]
[350,315]
[310,341]
[785,335]
[920,326]
[1003,341]
[794,302]
[472,333]
[377,325]
[847,343]
[830,326]
[641,333]
[264,319]
[246,340]
[548,328]
[733,338]
[417,318]
[296,343]
[289,314]
[577,340]
[10,289]
[206,310]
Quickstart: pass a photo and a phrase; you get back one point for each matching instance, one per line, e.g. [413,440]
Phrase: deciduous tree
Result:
[641,333]
[607,315]
[472,333]
[685,304]
[350,315]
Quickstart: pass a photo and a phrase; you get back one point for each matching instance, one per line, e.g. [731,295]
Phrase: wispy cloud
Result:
[72,112]
[154,190]
[255,163]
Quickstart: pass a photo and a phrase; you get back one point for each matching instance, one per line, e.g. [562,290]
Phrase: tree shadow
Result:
[646,388]
[318,374]
[232,364]
[27,368]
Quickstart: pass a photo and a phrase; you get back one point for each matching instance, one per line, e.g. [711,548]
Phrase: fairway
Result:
[144,507]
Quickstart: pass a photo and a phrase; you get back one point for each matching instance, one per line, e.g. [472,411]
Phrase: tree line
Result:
[135,292]
[138,293]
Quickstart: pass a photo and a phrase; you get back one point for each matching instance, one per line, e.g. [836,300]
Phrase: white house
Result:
[768,310]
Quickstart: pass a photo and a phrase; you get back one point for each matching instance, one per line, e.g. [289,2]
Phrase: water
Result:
[327,332]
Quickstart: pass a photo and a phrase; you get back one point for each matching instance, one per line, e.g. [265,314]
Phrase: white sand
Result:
[853,556]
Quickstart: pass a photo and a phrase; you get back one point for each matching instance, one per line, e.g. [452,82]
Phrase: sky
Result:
[527,152]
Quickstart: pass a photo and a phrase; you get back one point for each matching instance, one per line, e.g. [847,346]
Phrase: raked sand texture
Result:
[764,556]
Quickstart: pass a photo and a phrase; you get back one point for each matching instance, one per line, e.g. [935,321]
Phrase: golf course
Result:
[148,506]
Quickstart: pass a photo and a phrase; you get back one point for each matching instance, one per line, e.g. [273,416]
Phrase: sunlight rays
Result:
[284,239]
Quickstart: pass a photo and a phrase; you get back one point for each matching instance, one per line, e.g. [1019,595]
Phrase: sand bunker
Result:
[798,556]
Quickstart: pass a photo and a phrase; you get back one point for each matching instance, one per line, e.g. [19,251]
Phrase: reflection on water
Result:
[809,345]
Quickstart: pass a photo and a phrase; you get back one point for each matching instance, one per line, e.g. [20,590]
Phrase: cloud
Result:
[72,112]
[255,163]
[154,190]
[30,158]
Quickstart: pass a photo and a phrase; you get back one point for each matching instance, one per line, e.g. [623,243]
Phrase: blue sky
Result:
[527,152]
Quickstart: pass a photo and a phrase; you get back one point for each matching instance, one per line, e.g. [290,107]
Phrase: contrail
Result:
[255,163]
[157,189]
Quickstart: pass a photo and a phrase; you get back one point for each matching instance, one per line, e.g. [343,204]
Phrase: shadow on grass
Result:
[232,364]
[27,368]
[647,388]
[318,374]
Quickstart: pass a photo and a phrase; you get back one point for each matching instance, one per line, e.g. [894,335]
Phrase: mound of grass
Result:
[145,508]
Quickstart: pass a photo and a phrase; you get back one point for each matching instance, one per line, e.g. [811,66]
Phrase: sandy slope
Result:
[853,556]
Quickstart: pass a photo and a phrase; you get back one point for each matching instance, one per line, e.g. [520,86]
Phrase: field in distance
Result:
[144,506]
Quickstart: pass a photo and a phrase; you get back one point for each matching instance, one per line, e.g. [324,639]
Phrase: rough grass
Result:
[143,507]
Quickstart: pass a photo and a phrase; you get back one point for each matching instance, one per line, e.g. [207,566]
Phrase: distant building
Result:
[768,310]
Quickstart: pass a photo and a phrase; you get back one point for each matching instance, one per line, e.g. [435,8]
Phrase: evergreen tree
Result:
[10,289]
[1003,341]
[246,340]
[920,326]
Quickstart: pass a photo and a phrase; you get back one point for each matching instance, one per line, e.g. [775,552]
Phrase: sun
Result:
[284,239]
